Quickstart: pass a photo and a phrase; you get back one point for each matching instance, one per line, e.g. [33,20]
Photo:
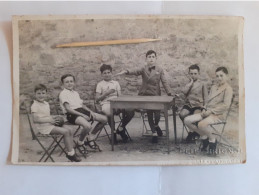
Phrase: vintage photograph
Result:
[128,90]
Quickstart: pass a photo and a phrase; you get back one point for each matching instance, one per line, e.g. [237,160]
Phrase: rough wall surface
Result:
[210,43]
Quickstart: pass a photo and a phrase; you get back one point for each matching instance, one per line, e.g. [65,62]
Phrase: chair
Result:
[145,130]
[105,127]
[220,132]
[56,139]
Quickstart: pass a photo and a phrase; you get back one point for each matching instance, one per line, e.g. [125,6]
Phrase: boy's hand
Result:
[54,120]
[85,117]
[110,91]
[205,113]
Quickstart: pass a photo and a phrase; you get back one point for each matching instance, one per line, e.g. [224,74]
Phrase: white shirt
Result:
[42,110]
[72,98]
[104,86]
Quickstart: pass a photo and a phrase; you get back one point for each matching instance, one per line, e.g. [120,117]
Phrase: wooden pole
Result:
[109,42]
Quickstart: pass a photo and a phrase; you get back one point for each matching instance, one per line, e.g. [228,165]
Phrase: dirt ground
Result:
[138,151]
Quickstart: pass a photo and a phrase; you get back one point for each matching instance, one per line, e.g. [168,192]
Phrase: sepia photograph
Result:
[128,90]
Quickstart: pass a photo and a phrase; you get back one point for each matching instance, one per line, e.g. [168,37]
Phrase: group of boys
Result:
[196,95]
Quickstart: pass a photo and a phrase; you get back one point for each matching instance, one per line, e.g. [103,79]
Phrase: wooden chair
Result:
[55,139]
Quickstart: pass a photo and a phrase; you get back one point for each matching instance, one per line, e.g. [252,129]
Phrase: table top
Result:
[144,99]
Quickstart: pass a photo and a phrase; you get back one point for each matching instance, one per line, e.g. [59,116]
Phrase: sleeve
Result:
[98,88]
[136,72]
[224,105]
[165,82]
[34,108]
[63,98]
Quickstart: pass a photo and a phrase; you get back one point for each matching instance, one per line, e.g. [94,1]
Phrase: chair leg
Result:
[78,147]
[46,151]
[57,145]
[222,138]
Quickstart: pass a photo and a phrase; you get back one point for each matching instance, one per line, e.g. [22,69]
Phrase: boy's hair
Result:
[105,67]
[193,67]
[40,87]
[223,69]
[149,52]
[67,75]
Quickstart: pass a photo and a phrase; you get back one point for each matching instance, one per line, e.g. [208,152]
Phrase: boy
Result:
[77,113]
[214,111]
[45,123]
[106,90]
[151,77]
[196,94]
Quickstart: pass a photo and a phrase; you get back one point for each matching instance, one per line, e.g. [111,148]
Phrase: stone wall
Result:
[210,43]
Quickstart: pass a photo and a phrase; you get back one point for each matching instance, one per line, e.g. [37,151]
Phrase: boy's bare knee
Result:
[104,119]
[87,126]
[187,120]
[202,124]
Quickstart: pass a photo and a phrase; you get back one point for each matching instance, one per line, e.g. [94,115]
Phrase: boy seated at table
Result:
[47,124]
[215,110]
[196,94]
[77,113]
[106,90]
[151,74]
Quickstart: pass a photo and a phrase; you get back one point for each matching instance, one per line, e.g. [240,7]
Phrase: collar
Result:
[65,89]
[151,68]
[37,102]
[111,81]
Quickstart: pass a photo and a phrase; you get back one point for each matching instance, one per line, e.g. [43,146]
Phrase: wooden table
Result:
[145,102]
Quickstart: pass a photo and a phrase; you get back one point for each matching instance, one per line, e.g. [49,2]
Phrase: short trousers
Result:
[191,110]
[72,117]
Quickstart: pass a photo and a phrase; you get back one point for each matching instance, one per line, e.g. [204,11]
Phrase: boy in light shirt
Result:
[79,114]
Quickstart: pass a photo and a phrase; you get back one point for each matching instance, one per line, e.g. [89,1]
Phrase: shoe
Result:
[123,135]
[189,138]
[212,147]
[204,145]
[192,137]
[159,131]
[74,158]
[92,144]
[195,136]
[154,139]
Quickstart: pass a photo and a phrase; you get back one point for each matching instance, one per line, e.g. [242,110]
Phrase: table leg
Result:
[167,129]
[174,119]
[112,127]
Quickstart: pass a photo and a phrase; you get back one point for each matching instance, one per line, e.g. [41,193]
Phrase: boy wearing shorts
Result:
[77,113]
[45,123]
[196,94]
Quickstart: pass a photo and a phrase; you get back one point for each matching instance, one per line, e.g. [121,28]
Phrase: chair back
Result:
[232,100]
[26,105]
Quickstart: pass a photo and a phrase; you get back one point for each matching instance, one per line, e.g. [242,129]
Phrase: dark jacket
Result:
[151,80]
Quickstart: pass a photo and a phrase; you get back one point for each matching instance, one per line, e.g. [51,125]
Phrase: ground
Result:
[138,151]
